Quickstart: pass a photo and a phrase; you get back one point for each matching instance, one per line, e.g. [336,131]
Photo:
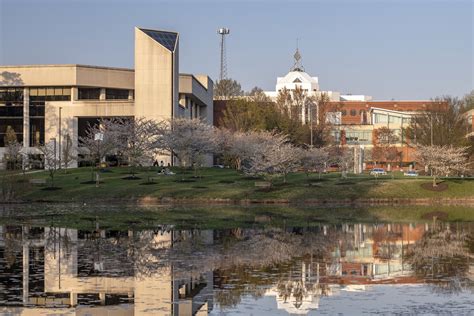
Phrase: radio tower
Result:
[223,71]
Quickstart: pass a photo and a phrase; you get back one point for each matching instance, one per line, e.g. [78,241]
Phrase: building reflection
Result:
[166,271]
[98,272]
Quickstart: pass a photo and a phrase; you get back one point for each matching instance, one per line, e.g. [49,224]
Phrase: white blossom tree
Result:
[188,140]
[316,159]
[272,155]
[136,140]
[442,160]
[344,157]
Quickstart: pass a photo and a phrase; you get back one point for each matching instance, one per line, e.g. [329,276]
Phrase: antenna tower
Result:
[223,69]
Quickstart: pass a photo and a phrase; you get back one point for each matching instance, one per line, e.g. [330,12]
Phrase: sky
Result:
[389,49]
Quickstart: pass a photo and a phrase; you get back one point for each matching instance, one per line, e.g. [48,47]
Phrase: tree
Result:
[272,156]
[12,155]
[316,159]
[136,140]
[188,140]
[384,149]
[68,154]
[100,140]
[468,101]
[51,161]
[442,160]
[256,94]
[227,89]
[443,123]
[244,115]
[344,157]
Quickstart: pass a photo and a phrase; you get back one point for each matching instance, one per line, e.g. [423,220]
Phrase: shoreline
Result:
[168,201]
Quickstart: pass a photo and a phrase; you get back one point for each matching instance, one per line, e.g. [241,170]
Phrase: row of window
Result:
[36,130]
[352,112]
[8,95]
[110,94]
[50,94]
[14,96]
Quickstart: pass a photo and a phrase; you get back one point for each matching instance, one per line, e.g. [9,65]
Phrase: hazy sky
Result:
[414,49]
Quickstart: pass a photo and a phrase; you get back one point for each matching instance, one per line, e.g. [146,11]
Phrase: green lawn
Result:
[229,184]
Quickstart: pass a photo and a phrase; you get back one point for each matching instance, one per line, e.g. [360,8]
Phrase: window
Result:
[50,94]
[116,94]
[11,96]
[380,118]
[359,137]
[14,123]
[344,112]
[353,112]
[394,119]
[89,94]
[36,131]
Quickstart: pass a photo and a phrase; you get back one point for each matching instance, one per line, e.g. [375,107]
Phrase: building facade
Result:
[44,103]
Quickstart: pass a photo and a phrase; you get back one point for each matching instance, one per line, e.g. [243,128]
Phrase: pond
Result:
[344,268]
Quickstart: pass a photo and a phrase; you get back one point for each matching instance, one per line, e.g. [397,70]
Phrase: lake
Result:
[341,268]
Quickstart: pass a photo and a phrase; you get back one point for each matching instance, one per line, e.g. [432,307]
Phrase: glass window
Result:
[89,93]
[380,118]
[344,112]
[116,94]
[50,94]
[36,131]
[353,112]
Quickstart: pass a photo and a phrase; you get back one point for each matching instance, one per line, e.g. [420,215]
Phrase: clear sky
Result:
[406,49]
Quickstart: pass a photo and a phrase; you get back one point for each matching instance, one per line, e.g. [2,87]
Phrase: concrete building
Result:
[44,103]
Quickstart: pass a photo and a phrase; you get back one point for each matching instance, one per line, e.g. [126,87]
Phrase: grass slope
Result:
[229,184]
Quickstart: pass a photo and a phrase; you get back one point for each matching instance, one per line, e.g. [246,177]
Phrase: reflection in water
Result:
[196,272]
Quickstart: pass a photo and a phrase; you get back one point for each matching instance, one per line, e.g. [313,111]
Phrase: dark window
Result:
[353,112]
[36,131]
[89,94]
[16,124]
[116,94]
[11,96]
[344,112]
[11,111]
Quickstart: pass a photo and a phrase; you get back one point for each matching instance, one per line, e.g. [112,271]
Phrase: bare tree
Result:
[442,160]
[100,141]
[51,161]
[257,95]
[68,152]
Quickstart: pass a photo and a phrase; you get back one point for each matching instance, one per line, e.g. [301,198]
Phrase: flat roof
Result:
[67,65]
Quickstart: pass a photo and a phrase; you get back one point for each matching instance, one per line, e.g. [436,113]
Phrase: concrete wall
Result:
[156,78]
[66,75]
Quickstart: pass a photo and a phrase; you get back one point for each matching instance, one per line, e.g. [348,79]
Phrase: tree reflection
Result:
[442,256]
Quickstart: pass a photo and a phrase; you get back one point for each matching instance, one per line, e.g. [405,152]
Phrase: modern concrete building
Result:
[44,103]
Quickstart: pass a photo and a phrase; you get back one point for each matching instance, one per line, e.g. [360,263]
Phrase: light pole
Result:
[59,137]
[54,148]
[311,123]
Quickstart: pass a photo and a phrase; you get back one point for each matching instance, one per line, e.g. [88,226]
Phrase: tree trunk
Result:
[434,181]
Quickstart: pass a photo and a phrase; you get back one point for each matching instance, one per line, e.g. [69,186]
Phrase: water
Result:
[333,269]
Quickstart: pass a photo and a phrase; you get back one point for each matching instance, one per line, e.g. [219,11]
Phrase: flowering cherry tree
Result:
[442,160]
[188,140]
